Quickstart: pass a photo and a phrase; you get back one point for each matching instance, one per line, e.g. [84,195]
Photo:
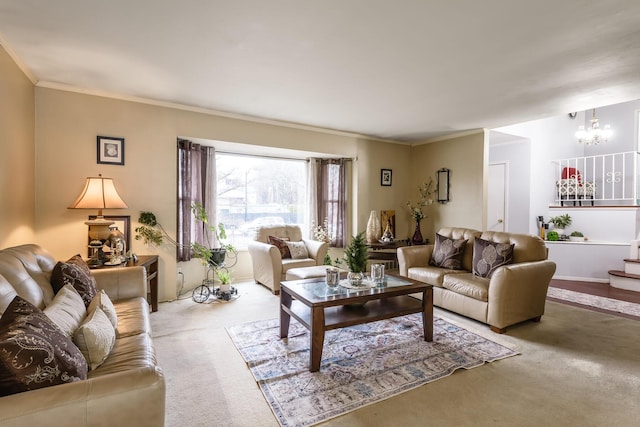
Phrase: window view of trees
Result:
[254,191]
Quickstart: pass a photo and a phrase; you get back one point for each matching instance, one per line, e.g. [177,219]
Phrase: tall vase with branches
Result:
[427,192]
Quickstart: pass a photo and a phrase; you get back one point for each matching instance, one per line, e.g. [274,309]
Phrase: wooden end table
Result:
[320,309]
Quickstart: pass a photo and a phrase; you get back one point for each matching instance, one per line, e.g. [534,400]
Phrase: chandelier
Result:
[594,135]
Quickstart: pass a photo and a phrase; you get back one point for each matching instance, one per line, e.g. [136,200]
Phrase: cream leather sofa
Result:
[127,389]
[269,268]
[513,294]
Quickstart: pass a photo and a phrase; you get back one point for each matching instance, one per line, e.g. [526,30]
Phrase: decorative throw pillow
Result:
[488,256]
[448,253]
[281,244]
[103,301]
[298,250]
[75,272]
[34,352]
[95,338]
[67,310]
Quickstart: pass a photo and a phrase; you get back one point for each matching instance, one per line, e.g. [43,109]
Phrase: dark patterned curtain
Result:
[192,167]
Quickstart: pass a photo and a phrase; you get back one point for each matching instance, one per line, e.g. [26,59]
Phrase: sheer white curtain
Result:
[313,187]
[210,189]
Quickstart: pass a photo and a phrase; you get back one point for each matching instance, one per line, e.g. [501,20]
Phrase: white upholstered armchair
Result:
[270,262]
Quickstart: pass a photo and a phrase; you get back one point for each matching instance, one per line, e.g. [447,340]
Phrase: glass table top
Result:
[318,289]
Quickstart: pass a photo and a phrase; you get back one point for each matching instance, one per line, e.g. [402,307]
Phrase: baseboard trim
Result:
[581,279]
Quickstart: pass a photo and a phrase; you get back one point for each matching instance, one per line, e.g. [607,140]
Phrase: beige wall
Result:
[55,150]
[17,154]
[67,125]
[466,157]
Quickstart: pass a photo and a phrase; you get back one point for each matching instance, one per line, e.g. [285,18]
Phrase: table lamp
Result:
[98,193]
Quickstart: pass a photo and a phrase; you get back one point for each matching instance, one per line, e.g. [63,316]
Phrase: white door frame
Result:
[505,219]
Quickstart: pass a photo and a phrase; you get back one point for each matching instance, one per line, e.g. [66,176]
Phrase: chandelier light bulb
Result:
[594,135]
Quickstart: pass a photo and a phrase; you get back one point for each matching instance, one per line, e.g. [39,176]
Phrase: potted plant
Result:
[356,258]
[553,236]
[576,236]
[560,222]
[225,280]
[214,253]
[152,232]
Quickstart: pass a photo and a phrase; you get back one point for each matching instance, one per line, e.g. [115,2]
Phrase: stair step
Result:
[620,273]
[621,280]
[637,261]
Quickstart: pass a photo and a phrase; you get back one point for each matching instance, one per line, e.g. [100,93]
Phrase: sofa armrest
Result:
[267,264]
[131,397]
[518,292]
[122,283]
[413,256]
[317,250]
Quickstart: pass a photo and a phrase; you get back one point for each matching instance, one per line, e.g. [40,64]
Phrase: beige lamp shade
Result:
[99,193]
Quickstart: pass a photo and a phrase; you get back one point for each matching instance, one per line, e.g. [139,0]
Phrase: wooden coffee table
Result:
[320,309]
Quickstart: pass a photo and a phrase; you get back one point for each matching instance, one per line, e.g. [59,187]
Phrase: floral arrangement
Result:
[321,232]
[426,198]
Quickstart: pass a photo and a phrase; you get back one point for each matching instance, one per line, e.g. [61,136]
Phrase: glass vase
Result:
[355,279]
[417,235]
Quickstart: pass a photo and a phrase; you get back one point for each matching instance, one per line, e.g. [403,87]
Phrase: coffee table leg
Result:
[285,317]
[427,314]
[317,338]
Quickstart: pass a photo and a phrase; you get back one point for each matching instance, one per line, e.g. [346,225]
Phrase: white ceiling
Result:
[402,70]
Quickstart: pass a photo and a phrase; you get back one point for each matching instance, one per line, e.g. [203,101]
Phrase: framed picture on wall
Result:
[120,221]
[385,177]
[110,150]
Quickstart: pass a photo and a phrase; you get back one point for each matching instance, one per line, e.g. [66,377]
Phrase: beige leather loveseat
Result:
[513,293]
[128,388]
[269,265]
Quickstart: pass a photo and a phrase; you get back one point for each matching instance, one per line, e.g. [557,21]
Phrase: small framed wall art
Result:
[385,177]
[110,150]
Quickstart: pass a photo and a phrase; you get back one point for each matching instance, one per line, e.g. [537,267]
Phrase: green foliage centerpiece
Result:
[356,258]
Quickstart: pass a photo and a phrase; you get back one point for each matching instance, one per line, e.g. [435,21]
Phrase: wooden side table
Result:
[150,263]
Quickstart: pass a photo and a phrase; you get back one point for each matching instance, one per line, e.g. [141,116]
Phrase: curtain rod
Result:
[271,157]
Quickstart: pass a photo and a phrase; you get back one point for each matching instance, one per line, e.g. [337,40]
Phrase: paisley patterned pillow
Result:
[281,244]
[34,352]
[448,253]
[488,256]
[75,272]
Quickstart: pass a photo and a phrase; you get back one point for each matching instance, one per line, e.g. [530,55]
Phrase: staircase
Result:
[628,279]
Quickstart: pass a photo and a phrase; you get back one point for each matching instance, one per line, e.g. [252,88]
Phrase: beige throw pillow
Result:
[298,250]
[95,338]
[103,301]
[67,310]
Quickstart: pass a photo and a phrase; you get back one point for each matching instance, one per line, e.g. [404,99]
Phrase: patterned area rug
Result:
[360,365]
[603,303]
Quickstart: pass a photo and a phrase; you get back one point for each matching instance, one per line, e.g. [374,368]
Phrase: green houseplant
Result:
[225,279]
[213,253]
[216,249]
[356,258]
[560,222]
[576,236]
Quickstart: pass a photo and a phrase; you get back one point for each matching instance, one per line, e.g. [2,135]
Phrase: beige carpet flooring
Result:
[577,367]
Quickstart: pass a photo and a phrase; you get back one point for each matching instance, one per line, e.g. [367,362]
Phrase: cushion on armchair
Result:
[281,244]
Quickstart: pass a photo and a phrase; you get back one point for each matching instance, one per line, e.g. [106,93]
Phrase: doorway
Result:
[497,197]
